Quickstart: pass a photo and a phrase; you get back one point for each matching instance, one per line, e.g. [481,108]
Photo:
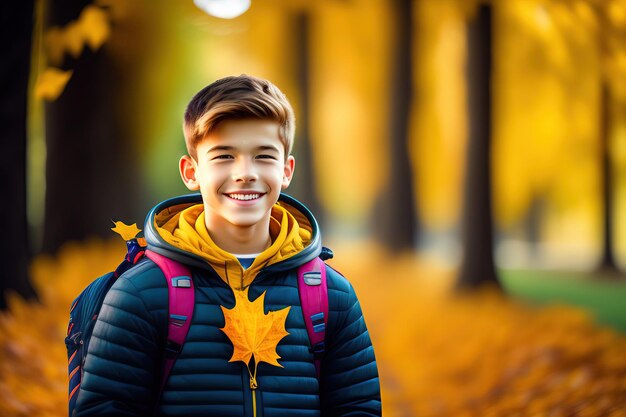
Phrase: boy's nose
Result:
[244,172]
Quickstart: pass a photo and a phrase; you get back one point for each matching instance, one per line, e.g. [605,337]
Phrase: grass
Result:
[603,295]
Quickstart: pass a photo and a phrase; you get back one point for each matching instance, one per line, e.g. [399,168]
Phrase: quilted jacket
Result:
[122,371]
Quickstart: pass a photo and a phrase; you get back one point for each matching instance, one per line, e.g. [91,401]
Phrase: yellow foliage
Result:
[480,354]
[350,71]
[439,126]
[73,39]
[95,27]
[546,122]
[51,82]
[439,355]
[616,11]
[92,28]
[33,365]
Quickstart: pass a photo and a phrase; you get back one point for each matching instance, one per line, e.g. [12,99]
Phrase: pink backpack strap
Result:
[314,301]
[181,303]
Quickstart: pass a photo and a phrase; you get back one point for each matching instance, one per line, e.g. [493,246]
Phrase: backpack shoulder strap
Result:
[314,301]
[181,303]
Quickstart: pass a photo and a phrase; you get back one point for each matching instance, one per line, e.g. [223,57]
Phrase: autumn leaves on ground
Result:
[439,355]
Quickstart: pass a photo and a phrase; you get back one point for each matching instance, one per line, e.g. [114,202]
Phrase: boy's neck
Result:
[241,240]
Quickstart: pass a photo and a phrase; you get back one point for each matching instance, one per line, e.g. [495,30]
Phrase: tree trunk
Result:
[532,225]
[396,221]
[477,266]
[607,260]
[17,27]
[90,175]
[303,187]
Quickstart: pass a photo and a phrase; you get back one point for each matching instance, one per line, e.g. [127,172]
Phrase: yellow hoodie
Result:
[184,227]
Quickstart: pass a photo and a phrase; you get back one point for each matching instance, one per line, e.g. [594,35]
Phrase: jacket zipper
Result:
[254,389]
[253,386]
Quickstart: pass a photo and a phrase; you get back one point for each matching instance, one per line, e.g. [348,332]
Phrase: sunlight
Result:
[224,9]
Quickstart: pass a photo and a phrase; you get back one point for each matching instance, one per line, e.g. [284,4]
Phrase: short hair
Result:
[237,98]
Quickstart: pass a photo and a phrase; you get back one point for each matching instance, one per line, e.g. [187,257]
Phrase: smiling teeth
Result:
[244,197]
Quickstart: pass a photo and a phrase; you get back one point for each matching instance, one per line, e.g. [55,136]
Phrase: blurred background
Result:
[466,160]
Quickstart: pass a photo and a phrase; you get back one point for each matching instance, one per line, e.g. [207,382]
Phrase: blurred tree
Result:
[606,33]
[304,186]
[543,156]
[477,265]
[607,259]
[396,222]
[16,22]
[90,167]
[532,224]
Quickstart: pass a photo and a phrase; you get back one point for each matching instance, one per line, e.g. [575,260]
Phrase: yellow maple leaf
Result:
[127,232]
[51,82]
[252,332]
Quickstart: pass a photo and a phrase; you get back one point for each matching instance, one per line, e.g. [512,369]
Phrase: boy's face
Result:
[240,172]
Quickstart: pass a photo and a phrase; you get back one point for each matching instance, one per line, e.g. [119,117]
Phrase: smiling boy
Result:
[240,171]
[243,242]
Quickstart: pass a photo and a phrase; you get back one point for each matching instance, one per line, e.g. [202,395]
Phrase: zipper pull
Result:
[253,386]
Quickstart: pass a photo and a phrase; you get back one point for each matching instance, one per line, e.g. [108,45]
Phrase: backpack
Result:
[86,307]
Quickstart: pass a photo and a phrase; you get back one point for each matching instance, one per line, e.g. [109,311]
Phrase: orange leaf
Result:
[73,38]
[127,232]
[51,82]
[252,332]
[95,27]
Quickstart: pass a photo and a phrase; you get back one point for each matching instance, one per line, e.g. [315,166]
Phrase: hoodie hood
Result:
[175,228]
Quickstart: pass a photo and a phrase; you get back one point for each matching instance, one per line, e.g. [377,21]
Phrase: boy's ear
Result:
[290,166]
[187,167]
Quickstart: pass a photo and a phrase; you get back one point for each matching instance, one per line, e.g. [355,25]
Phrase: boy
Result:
[243,241]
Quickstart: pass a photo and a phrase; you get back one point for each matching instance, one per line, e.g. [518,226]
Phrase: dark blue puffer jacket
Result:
[123,367]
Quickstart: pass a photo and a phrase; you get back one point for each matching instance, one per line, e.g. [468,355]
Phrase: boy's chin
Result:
[245,222]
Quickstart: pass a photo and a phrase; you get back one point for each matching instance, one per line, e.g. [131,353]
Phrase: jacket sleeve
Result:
[349,375]
[122,366]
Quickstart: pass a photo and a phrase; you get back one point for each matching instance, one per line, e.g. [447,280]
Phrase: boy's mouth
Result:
[244,196]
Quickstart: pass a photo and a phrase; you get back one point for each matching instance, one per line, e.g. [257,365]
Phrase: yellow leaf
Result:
[95,26]
[127,232]
[91,28]
[51,82]
[74,41]
[252,332]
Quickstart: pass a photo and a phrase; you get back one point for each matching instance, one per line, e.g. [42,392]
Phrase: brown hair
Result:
[235,98]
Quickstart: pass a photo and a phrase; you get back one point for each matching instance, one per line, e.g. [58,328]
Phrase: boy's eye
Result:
[225,156]
[266,156]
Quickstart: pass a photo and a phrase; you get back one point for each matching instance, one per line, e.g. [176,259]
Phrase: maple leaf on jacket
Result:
[252,332]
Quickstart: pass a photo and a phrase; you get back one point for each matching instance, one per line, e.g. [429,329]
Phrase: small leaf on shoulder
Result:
[127,232]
